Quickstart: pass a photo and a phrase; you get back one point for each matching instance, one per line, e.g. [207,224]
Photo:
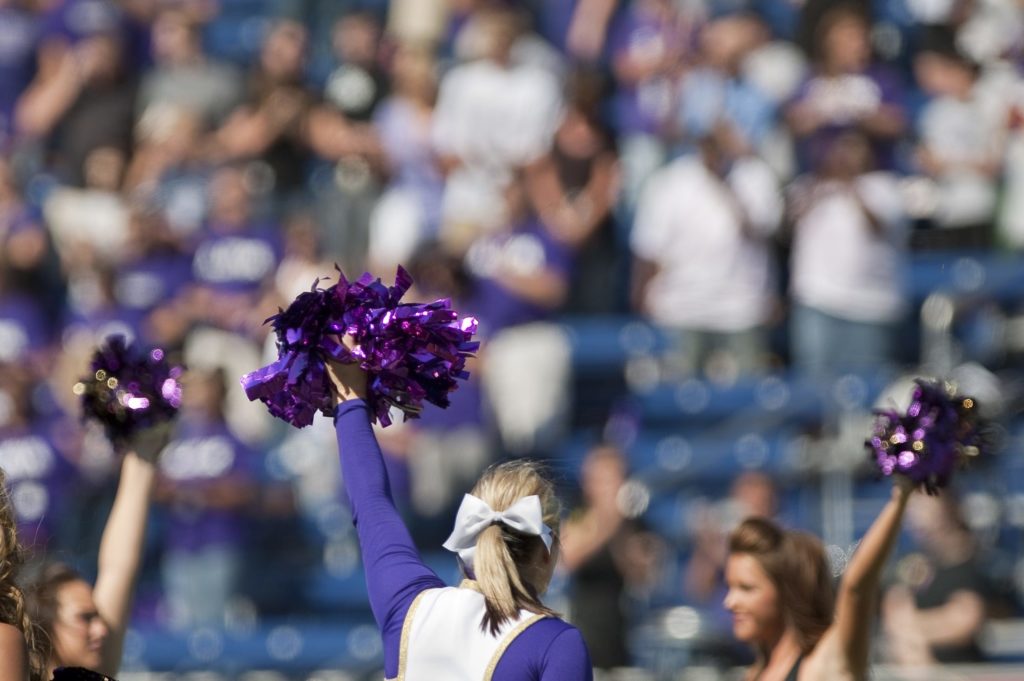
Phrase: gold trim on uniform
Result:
[403,654]
[506,642]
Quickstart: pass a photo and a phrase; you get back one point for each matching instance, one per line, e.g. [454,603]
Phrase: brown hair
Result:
[796,564]
[42,604]
[504,558]
[13,610]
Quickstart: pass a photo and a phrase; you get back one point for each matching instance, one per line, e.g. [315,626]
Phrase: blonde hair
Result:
[12,600]
[505,558]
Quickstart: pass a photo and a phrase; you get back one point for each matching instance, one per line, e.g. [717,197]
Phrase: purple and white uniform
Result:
[543,649]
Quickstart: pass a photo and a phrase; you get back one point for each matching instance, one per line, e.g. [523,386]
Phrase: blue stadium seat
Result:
[602,343]
[665,456]
[289,646]
[988,275]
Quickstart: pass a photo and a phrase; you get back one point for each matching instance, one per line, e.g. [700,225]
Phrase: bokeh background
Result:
[704,238]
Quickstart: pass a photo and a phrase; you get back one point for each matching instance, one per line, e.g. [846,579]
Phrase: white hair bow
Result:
[475,516]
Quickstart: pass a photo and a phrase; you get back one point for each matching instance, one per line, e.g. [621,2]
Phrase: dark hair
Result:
[42,603]
[941,41]
[820,16]
[796,564]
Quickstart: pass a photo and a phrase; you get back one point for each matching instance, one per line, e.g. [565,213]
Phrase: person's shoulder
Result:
[548,648]
[564,649]
[13,650]
[10,633]
[557,631]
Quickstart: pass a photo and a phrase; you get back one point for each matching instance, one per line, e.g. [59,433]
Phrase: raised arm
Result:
[395,574]
[121,552]
[858,590]
[58,82]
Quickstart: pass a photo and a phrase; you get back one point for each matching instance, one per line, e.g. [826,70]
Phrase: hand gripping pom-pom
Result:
[938,434]
[412,352]
[130,389]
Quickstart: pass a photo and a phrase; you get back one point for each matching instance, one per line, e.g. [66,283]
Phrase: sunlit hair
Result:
[796,564]
[42,604]
[505,559]
[13,609]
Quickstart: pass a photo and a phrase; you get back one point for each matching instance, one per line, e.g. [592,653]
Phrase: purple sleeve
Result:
[567,659]
[549,650]
[394,572]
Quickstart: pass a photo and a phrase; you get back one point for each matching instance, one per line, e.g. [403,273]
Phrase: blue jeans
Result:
[691,351]
[822,344]
[199,584]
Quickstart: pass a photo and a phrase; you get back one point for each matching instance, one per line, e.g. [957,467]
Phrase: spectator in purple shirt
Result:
[520,272]
[235,259]
[206,482]
[23,330]
[38,472]
[521,276]
[647,46]
[848,89]
[232,293]
[150,281]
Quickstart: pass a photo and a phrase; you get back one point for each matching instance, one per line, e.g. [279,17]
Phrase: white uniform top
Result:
[442,637]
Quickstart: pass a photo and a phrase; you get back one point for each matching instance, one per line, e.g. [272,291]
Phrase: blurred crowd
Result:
[750,177]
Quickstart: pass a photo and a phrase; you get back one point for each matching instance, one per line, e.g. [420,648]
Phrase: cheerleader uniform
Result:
[432,632]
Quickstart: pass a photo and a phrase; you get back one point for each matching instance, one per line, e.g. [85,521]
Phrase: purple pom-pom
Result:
[938,434]
[412,352]
[130,388]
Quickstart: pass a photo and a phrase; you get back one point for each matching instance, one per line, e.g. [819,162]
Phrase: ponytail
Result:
[505,561]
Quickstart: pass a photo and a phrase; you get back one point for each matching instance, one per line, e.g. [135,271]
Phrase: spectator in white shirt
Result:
[960,132]
[846,262]
[704,268]
[493,116]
